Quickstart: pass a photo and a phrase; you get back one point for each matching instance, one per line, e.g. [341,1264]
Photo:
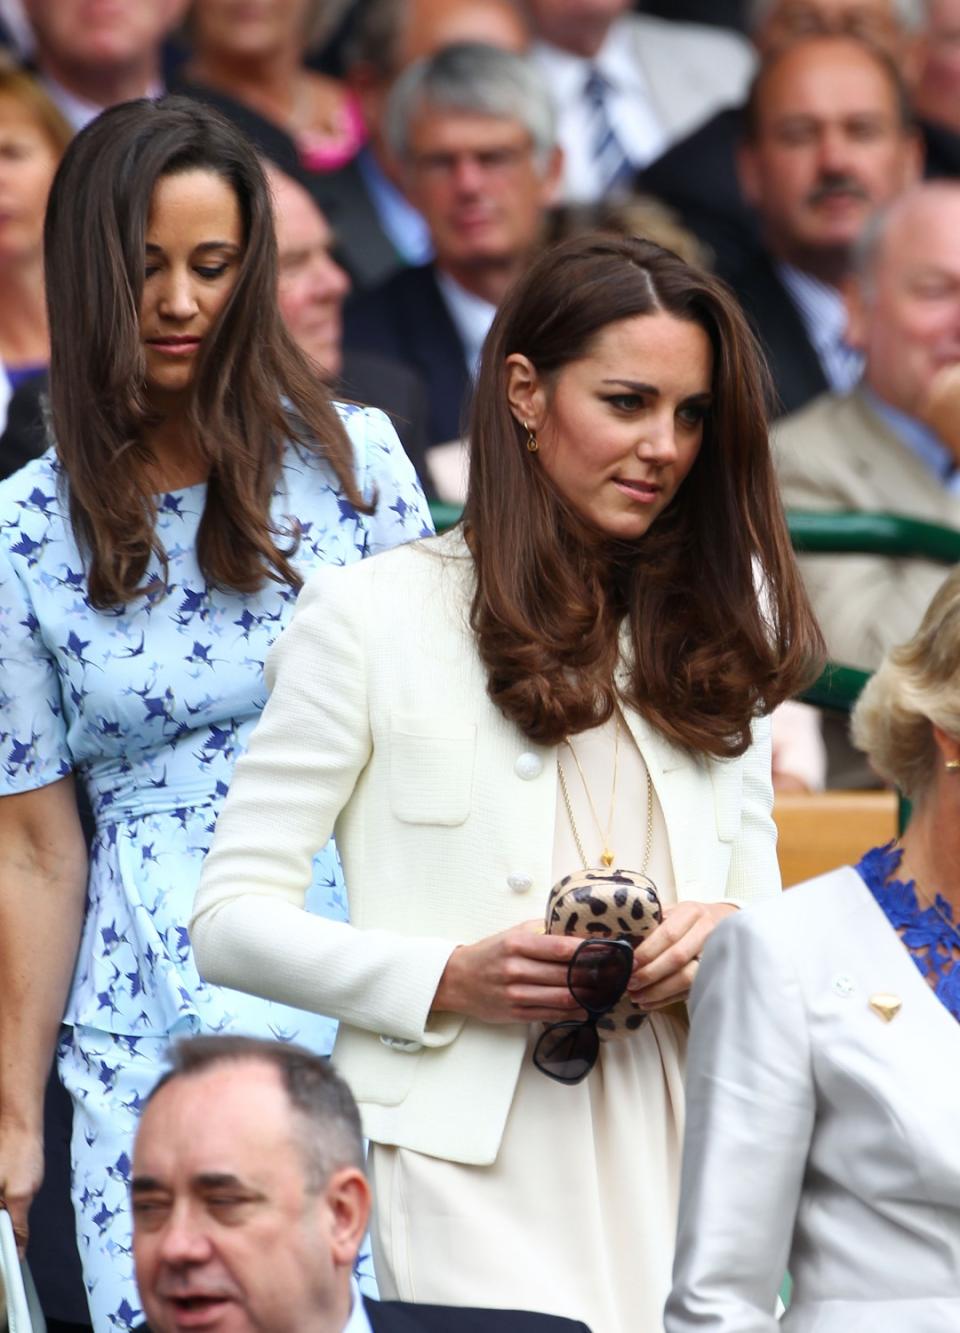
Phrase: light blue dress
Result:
[150,704]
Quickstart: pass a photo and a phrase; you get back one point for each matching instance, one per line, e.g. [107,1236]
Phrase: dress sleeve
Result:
[754,870]
[385,471]
[33,730]
[249,929]
[750,1118]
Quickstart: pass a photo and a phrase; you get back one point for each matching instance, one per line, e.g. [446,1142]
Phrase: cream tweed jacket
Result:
[379,729]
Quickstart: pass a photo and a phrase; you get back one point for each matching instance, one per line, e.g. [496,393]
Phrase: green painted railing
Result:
[872,534]
[818,533]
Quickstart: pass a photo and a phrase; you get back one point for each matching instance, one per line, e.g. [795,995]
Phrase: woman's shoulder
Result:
[371,435]
[371,432]
[32,501]
[399,579]
[818,908]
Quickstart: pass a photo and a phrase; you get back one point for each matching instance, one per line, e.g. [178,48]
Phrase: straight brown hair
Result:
[707,609]
[253,390]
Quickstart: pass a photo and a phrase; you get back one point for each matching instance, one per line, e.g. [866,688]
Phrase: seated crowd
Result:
[281,284]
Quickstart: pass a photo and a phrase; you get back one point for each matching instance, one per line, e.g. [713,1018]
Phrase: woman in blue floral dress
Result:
[146,567]
[822,1092]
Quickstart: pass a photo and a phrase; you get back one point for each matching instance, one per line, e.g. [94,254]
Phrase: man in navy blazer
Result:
[473,128]
[250,1202]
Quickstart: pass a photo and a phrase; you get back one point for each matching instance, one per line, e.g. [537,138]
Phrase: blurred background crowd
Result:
[422,152]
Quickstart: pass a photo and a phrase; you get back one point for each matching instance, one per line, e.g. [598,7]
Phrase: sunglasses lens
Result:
[599,972]
[567,1051]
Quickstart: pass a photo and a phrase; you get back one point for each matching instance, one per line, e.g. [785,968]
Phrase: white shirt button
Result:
[520,883]
[401,1044]
[528,765]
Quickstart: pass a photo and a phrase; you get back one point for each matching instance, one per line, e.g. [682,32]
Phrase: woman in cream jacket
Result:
[582,670]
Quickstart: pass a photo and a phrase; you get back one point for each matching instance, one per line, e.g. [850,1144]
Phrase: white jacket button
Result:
[401,1044]
[520,883]
[528,765]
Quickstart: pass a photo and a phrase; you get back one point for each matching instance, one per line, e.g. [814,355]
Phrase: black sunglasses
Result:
[597,977]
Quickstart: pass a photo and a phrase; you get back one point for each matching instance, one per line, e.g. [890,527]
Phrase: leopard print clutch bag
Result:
[606,905]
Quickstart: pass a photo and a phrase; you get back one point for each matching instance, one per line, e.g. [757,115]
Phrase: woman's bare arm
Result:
[43,877]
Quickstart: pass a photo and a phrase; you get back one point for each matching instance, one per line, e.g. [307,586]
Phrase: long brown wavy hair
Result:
[707,609]
[253,389]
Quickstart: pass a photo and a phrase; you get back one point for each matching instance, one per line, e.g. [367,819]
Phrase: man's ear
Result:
[347,1197]
[525,392]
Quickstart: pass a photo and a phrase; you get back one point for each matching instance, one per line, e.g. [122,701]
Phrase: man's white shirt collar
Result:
[359,1321]
[472,316]
[629,103]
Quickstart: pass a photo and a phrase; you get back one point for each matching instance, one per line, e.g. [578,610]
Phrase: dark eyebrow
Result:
[145,1185]
[634,386]
[203,246]
[206,1180]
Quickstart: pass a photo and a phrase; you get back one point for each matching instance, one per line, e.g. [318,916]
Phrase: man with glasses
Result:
[473,129]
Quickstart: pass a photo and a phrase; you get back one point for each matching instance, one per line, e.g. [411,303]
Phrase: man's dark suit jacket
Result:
[401,1317]
[698,178]
[797,373]
[379,381]
[406,319]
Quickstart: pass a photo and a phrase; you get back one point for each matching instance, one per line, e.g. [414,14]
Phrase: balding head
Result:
[905,299]
[311,287]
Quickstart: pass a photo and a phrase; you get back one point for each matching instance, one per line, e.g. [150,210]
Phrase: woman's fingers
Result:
[665,964]
[512,977]
[664,993]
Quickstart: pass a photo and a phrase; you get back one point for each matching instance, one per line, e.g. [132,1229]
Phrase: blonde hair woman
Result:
[822,1091]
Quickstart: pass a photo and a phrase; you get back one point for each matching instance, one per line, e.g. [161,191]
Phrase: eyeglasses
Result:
[502,160]
[596,977]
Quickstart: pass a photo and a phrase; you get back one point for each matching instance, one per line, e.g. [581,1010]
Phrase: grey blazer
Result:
[819,1138]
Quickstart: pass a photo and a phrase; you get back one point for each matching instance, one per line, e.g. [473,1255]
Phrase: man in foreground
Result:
[250,1202]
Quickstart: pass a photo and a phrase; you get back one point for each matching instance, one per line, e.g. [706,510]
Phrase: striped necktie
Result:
[614,169]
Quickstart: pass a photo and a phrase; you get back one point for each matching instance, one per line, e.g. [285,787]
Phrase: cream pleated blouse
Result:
[587,1175]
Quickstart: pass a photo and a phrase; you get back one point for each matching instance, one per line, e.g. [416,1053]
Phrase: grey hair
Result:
[916,687]
[479,79]
[911,14]
[866,248]
[328,1122]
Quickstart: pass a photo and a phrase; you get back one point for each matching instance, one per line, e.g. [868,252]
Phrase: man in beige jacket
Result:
[894,443]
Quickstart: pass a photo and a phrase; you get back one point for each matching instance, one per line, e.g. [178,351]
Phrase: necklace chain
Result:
[606,856]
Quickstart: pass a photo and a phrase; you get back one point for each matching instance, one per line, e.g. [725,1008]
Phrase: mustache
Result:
[829,186]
